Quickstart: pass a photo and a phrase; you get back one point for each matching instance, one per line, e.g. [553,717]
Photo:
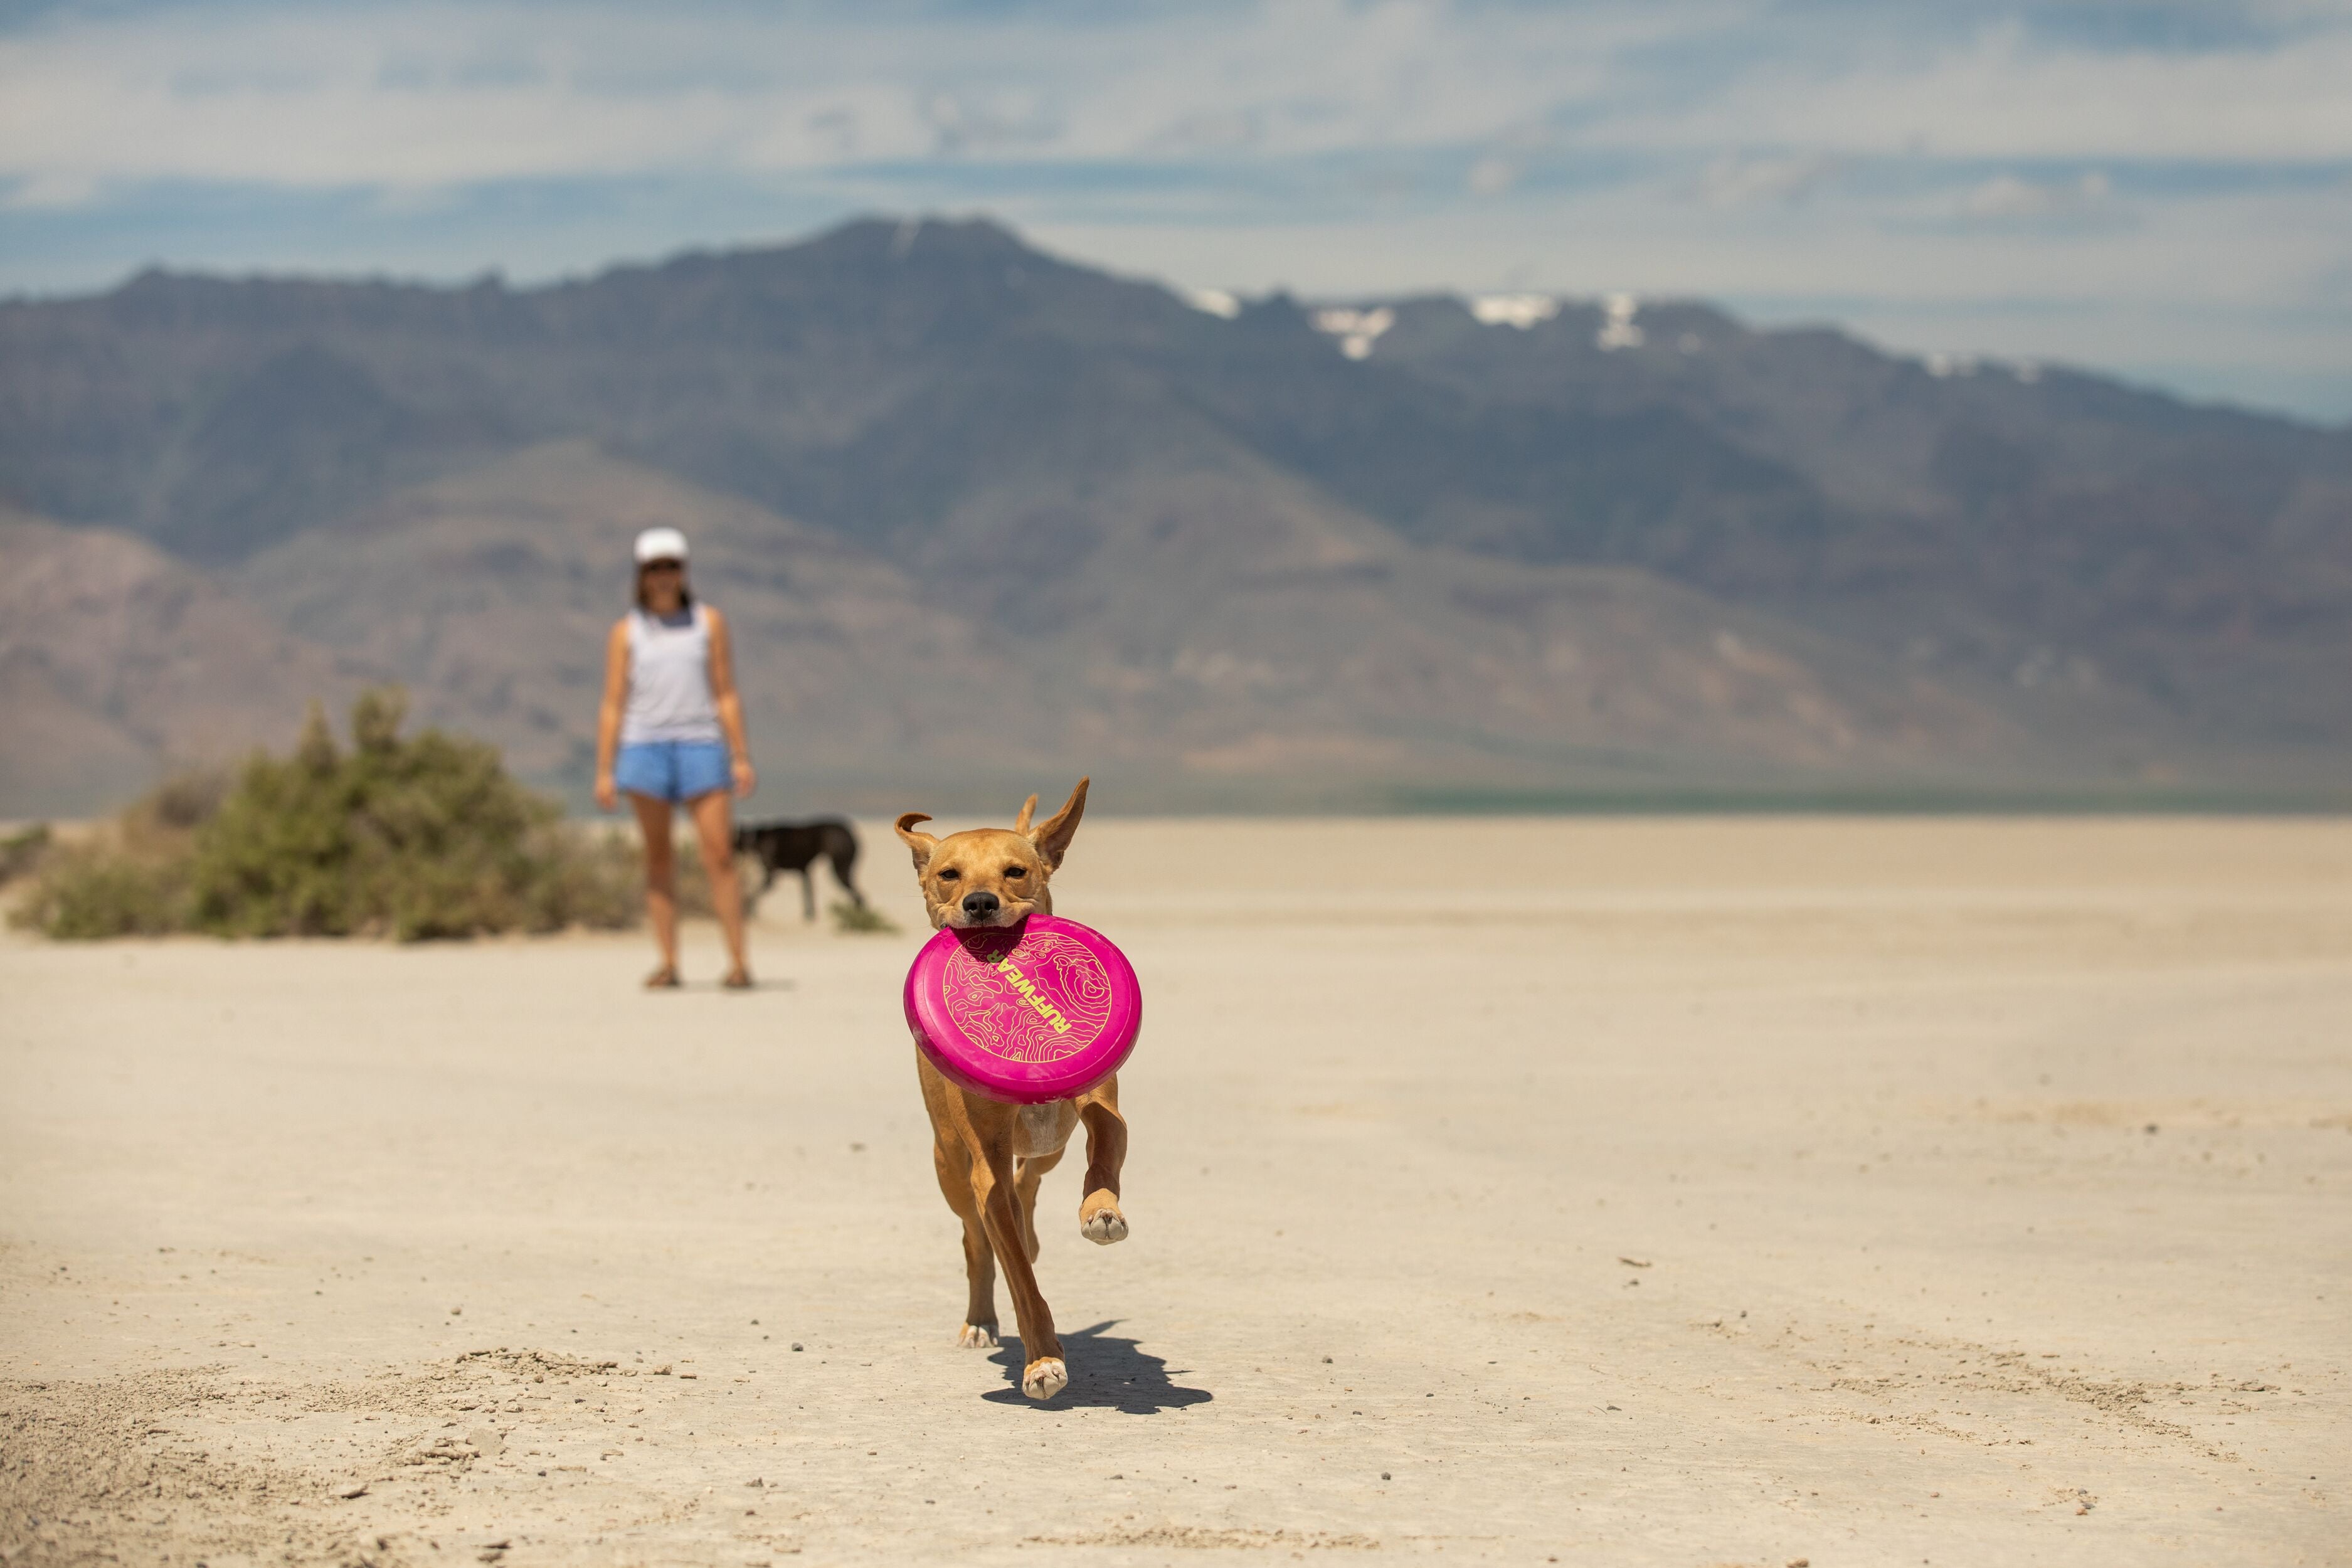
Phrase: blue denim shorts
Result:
[673,770]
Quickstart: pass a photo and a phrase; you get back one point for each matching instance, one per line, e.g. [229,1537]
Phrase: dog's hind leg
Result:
[1099,1219]
[808,894]
[954,1167]
[844,856]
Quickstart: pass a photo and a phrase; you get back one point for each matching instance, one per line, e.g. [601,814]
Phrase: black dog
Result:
[797,845]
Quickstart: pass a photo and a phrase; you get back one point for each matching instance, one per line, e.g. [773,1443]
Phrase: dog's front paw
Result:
[1099,1220]
[1044,1378]
[977,1336]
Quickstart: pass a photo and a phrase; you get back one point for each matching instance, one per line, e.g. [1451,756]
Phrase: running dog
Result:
[796,846]
[989,1154]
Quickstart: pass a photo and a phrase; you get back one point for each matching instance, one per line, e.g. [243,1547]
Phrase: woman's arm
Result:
[730,705]
[608,713]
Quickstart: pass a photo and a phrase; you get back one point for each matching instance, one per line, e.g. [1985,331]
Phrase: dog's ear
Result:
[1028,810]
[1053,840]
[922,844]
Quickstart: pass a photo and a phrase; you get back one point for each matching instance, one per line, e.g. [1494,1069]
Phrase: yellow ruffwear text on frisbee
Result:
[1035,998]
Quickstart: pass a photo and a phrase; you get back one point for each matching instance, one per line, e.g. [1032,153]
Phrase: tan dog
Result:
[991,1154]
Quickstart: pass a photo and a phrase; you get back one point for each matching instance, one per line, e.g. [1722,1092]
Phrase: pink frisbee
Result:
[1043,1010]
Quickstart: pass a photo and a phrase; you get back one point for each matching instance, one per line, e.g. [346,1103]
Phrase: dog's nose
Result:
[979,906]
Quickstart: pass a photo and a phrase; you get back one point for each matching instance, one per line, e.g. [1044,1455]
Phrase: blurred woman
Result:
[671,734]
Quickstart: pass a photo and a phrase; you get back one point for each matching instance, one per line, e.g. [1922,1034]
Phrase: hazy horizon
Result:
[2147,381]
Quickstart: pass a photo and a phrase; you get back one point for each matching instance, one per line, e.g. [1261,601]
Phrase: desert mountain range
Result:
[984,517]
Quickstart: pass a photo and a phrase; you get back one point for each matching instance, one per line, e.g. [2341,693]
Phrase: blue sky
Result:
[2158,187]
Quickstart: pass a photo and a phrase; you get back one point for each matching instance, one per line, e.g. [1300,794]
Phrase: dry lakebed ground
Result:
[1603,1191]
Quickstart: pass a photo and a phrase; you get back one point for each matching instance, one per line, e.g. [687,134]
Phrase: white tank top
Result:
[669,680]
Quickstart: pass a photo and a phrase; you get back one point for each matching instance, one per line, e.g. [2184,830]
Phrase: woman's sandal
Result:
[662,979]
[738,981]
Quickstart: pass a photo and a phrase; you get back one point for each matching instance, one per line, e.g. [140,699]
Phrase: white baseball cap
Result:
[660,544]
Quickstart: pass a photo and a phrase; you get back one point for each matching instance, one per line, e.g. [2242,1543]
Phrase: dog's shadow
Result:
[1107,1373]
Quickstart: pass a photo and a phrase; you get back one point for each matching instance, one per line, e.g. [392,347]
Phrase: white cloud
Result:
[2008,197]
[1492,176]
[1734,181]
[432,94]
[54,189]
[2002,94]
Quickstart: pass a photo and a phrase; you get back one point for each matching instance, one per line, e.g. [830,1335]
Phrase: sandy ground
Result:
[1611,1192]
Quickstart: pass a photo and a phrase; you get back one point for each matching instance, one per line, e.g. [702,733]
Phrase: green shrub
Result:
[860,918]
[692,883]
[129,878]
[22,851]
[415,837]
[185,801]
[87,891]
[594,878]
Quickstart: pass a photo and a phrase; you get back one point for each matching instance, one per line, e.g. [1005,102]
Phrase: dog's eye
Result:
[949,876]
[1016,871]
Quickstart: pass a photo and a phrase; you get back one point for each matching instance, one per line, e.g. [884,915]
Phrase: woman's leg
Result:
[661,883]
[714,826]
